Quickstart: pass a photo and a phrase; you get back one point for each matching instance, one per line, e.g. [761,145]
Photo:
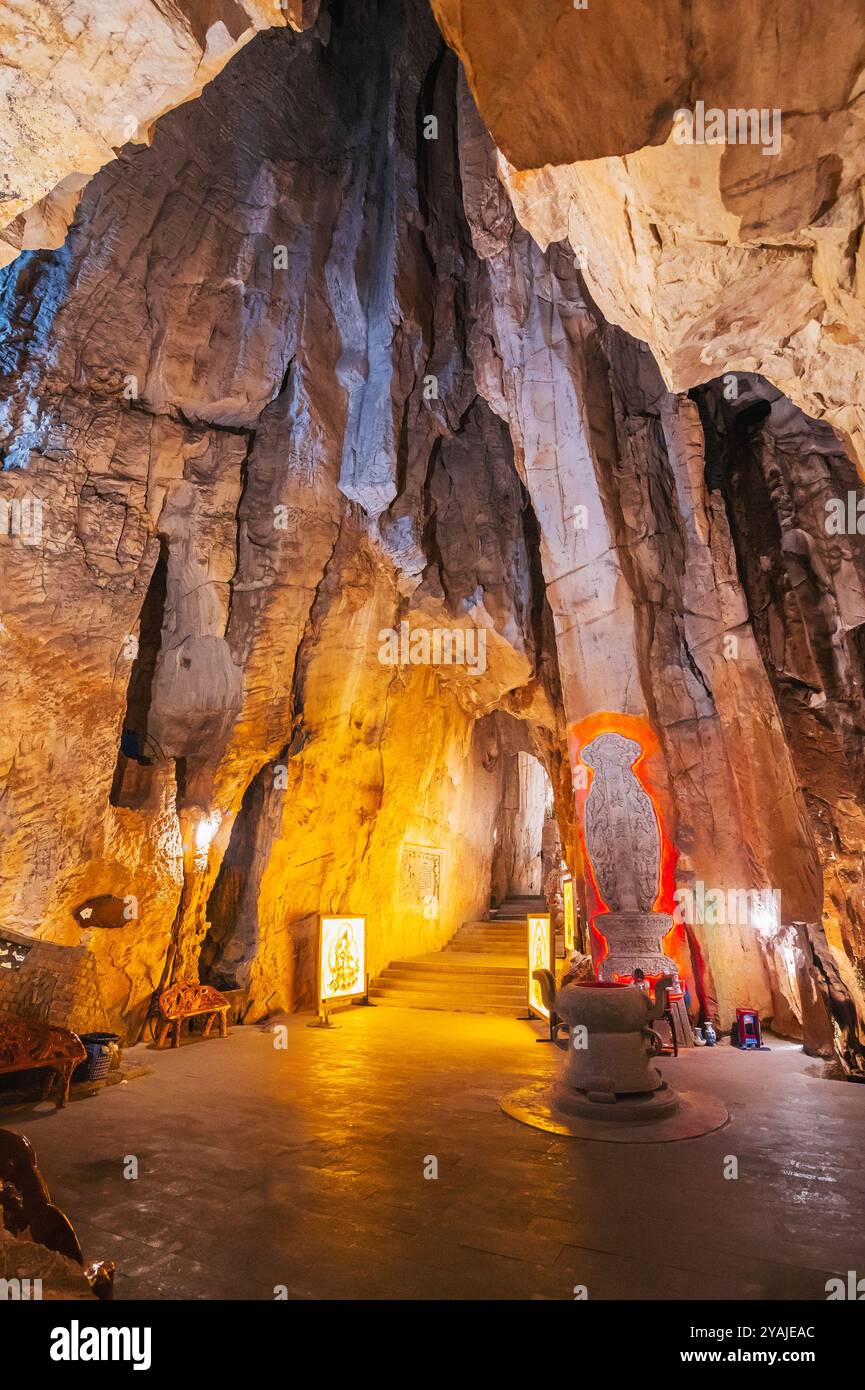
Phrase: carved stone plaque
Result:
[420,875]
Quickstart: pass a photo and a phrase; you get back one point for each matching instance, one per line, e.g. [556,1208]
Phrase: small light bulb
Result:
[205,831]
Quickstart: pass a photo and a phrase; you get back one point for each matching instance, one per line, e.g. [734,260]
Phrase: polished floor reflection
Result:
[304,1167]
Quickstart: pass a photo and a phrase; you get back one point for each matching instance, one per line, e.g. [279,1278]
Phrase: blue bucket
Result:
[101,1050]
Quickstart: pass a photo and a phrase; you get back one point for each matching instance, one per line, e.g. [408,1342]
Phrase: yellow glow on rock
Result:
[569,922]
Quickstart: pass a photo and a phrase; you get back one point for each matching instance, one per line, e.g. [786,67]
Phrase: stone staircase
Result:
[482,969]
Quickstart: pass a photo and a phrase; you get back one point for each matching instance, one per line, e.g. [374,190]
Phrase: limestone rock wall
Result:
[316,371]
[641,556]
[217,396]
[782,475]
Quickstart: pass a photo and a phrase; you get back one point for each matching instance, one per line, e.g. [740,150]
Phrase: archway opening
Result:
[525,833]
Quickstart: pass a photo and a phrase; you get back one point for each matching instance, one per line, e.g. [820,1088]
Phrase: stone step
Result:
[469,1002]
[499,923]
[468,953]
[505,990]
[515,942]
[481,956]
[482,971]
[466,1004]
[456,969]
[489,934]
[492,938]
[486,948]
[506,928]
[474,964]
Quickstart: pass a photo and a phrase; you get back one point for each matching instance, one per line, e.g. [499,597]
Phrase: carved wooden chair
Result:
[27,1046]
[547,985]
[25,1205]
[187,999]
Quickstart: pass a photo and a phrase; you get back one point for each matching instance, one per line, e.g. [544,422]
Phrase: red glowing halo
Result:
[638,728]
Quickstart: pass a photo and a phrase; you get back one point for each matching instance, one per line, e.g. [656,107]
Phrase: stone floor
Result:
[304,1167]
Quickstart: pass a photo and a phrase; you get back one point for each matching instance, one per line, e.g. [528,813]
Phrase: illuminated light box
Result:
[540,958]
[569,924]
[342,958]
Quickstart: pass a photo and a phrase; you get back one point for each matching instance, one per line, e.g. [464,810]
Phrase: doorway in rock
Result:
[526,834]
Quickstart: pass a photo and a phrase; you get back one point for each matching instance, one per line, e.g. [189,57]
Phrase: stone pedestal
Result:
[634,940]
[608,1088]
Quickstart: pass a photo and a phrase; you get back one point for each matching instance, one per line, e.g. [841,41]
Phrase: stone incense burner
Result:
[610,1044]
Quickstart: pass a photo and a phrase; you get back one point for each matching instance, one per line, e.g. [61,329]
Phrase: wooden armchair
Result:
[547,984]
[25,1204]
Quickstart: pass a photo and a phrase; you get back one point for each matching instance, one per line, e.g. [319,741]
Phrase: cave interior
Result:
[392,430]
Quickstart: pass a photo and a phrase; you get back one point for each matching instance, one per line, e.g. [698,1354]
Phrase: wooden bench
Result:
[188,1000]
[26,1046]
[27,1209]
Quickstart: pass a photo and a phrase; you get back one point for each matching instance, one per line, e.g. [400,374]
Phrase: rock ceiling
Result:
[81,80]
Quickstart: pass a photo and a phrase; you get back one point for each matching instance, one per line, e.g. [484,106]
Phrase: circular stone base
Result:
[696,1113]
[645,1107]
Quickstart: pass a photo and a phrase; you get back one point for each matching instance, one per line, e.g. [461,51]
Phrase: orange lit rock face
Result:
[293,383]
[245,482]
